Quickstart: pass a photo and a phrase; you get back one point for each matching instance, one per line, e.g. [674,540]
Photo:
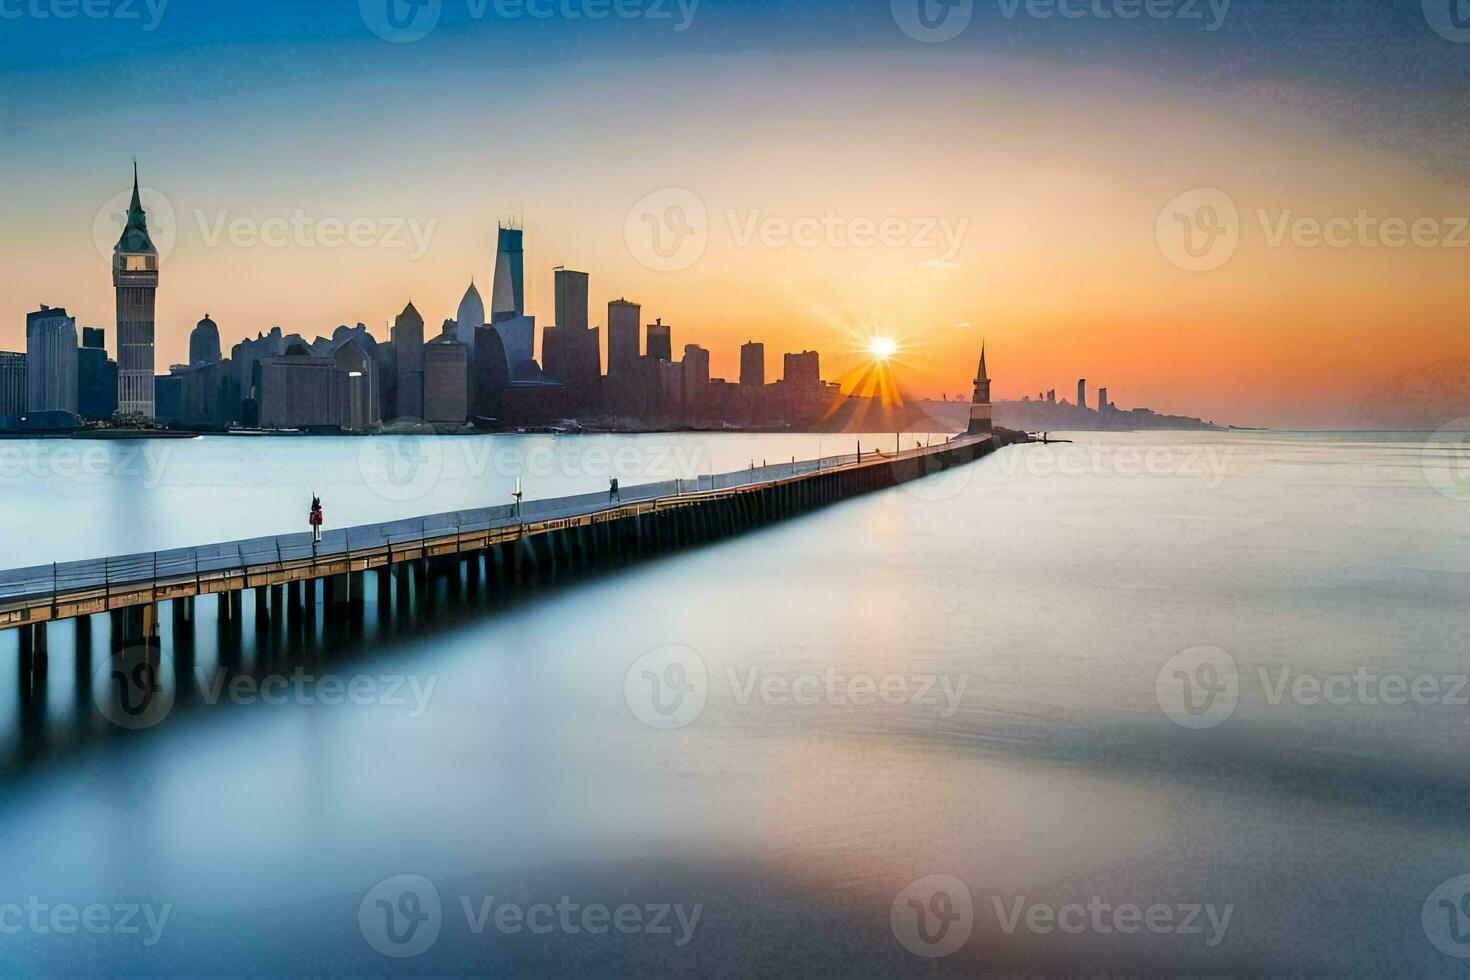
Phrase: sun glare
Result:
[882,348]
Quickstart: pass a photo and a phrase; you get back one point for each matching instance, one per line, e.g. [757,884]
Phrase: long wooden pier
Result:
[518,542]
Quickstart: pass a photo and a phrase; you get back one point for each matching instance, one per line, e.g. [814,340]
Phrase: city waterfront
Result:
[966,676]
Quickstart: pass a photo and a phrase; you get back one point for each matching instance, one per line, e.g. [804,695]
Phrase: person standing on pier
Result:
[315,520]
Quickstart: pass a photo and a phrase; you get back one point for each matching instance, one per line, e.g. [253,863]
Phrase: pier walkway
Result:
[515,539]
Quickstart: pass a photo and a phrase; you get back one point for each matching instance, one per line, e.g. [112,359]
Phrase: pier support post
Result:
[337,591]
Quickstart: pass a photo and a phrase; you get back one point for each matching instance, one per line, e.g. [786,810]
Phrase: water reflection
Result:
[92,684]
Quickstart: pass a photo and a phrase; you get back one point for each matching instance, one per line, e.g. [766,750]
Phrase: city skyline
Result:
[1062,191]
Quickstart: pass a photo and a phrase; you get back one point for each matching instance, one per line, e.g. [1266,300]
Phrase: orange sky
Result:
[1057,176]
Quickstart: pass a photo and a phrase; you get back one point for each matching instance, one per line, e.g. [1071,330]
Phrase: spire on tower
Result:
[135,237]
[983,375]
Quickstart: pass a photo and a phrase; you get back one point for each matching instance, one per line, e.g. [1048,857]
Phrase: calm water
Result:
[787,734]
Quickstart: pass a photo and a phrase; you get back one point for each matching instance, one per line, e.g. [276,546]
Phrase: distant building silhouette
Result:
[301,391]
[490,368]
[204,343]
[408,348]
[51,361]
[96,377]
[753,365]
[572,351]
[446,381]
[12,383]
[135,278]
[624,345]
[508,294]
[660,341]
[1082,393]
[694,378]
[362,410]
[981,412]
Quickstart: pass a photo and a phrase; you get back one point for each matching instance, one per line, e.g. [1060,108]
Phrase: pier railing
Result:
[197,565]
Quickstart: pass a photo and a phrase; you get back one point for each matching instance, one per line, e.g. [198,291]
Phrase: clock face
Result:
[138,263]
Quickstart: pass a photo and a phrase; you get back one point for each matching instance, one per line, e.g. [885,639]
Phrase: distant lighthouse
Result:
[981,423]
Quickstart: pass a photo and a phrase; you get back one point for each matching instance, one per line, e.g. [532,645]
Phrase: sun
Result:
[882,348]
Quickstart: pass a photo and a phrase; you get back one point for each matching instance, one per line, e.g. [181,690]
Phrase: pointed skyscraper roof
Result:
[135,240]
[983,375]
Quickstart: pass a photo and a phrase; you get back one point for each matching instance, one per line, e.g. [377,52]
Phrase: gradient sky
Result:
[1054,143]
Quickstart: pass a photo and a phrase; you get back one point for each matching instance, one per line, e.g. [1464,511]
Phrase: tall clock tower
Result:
[981,422]
[135,276]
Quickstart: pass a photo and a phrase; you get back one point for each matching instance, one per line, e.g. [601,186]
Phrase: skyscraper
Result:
[660,341]
[446,380]
[624,346]
[981,421]
[573,351]
[135,277]
[408,348]
[96,377]
[51,361]
[204,343]
[1102,400]
[1082,393]
[508,295]
[695,379]
[471,317]
[300,391]
[803,371]
[753,365]
[518,338]
[490,371]
[361,411]
[12,383]
[571,299]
